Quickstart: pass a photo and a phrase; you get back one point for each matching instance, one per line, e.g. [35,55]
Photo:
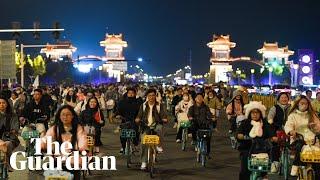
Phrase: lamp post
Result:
[252,73]
[270,75]
[100,69]
[295,67]
[238,72]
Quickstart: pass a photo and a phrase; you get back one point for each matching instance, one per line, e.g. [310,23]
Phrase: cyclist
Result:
[176,99]
[277,117]
[93,116]
[182,112]
[67,128]
[213,102]
[234,109]
[201,117]
[316,103]
[9,126]
[299,117]
[37,109]
[81,106]
[128,109]
[154,115]
[253,127]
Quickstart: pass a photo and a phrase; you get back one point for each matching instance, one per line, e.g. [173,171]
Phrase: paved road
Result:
[173,163]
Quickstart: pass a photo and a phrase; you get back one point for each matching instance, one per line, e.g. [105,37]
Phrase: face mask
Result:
[210,97]
[303,108]
[185,98]
[131,98]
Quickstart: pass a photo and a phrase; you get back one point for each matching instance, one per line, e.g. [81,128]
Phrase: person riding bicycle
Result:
[153,114]
[9,126]
[316,103]
[277,117]
[257,128]
[37,110]
[202,118]
[181,111]
[299,119]
[128,108]
[234,109]
[176,99]
[93,116]
[67,129]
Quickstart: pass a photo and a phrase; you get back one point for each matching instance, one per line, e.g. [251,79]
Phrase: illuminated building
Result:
[220,58]
[58,52]
[272,53]
[276,61]
[115,65]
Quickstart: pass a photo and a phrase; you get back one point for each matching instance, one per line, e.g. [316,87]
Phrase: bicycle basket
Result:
[204,133]
[259,162]
[128,133]
[30,134]
[310,155]
[151,140]
[185,124]
[57,175]
[90,140]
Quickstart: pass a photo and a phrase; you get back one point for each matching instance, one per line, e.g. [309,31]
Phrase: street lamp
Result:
[270,75]
[252,73]
[295,67]
[238,72]
[140,59]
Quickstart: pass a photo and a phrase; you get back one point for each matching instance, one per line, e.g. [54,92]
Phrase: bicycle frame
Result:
[129,135]
[3,165]
[184,126]
[284,143]
[151,141]
[202,145]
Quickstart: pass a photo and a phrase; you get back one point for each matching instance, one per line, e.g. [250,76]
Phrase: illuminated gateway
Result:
[65,49]
[115,65]
[220,58]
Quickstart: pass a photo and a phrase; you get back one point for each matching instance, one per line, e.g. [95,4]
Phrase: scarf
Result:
[256,130]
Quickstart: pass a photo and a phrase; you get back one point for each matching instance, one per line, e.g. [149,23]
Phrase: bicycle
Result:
[185,125]
[309,157]
[3,165]
[129,134]
[32,132]
[90,130]
[151,140]
[284,164]
[258,163]
[236,121]
[202,146]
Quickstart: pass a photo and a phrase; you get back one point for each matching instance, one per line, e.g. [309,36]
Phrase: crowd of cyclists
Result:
[65,113]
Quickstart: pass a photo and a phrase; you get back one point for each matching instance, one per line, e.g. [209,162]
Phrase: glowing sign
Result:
[306,69]
[306,80]
[306,59]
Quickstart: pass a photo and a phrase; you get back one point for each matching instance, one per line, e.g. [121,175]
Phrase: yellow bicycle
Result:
[151,141]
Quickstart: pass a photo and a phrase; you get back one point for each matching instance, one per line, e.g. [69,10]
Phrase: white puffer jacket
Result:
[298,121]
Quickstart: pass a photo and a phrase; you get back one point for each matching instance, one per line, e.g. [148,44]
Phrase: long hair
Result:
[59,124]
[72,98]
[310,110]
[88,105]
[8,110]
[233,104]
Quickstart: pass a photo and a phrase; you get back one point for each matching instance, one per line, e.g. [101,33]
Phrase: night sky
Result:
[164,30]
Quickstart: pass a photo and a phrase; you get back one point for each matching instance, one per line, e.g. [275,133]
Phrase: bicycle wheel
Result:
[203,153]
[151,163]
[128,153]
[184,139]
[286,165]
[198,155]
[281,164]
[300,173]
[310,174]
